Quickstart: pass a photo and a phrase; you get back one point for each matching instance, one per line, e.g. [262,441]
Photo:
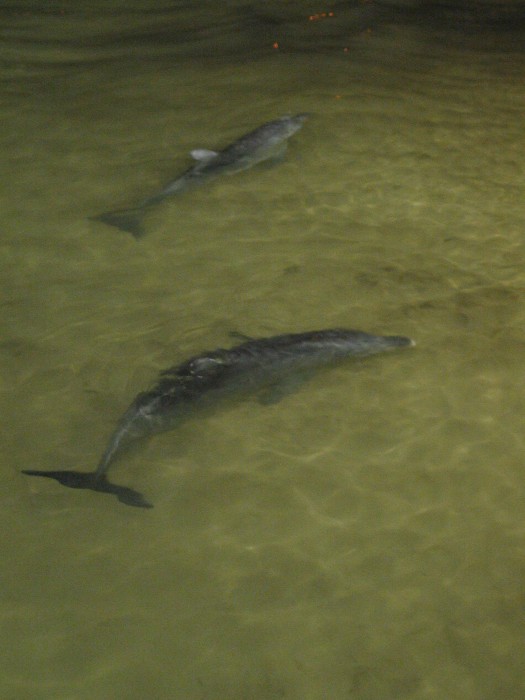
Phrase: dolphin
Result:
[268,142]
[262,366]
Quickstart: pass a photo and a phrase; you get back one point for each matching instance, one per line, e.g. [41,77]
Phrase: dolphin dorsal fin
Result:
[203,154]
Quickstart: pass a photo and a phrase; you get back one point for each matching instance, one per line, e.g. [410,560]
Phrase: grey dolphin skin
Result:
[253,367]
[268,142]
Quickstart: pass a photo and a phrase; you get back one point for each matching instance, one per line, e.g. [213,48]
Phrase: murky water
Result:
[364,537]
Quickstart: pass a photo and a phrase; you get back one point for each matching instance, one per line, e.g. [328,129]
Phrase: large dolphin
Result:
[268,142]
[261,366]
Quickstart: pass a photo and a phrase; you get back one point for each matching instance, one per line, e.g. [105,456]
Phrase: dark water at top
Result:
[364,537]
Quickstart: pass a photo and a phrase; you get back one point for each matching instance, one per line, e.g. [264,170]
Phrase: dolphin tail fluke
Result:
[129,220]
[93,482]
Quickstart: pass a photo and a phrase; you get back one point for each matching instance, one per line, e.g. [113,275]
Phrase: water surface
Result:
[364,537]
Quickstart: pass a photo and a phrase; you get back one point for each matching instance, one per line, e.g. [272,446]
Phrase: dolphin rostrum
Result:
[263,366]
[268,142]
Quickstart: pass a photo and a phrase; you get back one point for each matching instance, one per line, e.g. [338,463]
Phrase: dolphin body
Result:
[268,142]
[263,366]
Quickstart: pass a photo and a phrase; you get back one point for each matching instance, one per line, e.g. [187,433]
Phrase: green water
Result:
[362,539]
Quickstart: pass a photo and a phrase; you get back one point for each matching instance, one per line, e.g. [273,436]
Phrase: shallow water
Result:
[364,537]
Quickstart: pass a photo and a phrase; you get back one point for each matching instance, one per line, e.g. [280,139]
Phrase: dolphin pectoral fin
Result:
[129,220]
[276,392]
[93,482]
[273,394]
[275,156]
[265,160]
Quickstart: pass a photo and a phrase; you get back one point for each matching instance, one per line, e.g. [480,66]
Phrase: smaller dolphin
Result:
[268,142]
[263,366]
